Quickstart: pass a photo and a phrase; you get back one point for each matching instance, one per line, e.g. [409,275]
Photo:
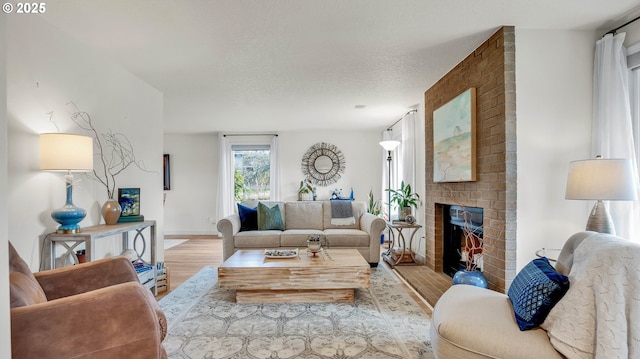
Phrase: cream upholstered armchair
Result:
[97,309]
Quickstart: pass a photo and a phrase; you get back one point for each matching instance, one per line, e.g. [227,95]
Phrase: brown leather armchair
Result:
[97,309]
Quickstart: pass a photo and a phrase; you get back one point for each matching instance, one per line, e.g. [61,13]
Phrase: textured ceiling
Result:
[265,65]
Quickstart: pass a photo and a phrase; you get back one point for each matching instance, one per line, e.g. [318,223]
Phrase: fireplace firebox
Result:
[456,220]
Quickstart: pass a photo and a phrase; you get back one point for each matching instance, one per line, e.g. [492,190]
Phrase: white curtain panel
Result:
[274,171]
[612,135]
[409,149]
[225,178]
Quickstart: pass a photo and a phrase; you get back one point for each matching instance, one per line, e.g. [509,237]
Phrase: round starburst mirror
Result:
[323,164]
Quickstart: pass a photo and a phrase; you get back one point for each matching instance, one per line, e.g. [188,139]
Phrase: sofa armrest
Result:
[85,277]
[374,226]
[112,322]
[228,227]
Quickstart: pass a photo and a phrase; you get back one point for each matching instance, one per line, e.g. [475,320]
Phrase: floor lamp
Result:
[601,180]
[389,144]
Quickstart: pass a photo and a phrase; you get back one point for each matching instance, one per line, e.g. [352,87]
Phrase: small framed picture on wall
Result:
[167,172]
[129,199]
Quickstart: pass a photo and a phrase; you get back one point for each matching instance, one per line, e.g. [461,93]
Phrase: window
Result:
[248,170]
[251,172]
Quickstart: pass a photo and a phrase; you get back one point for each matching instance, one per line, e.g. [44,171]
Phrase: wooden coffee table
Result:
[332,276]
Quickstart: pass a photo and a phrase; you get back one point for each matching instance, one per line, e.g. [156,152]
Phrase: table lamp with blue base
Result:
[70,153]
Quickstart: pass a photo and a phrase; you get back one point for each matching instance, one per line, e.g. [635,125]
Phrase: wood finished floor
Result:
[186,259]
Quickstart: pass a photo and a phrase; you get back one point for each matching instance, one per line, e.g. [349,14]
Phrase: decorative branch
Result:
[114,151]
[475,245]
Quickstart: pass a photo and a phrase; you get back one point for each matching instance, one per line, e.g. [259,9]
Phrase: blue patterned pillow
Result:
[534,291]
[269,218]
[248,218]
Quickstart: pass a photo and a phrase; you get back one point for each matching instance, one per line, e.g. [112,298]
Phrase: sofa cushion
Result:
[269,217]
[534,291]
[359,208]
[347,238]
[248,218]
[304,215]
[257,239]
[24,290]
[475,322]
[297,237]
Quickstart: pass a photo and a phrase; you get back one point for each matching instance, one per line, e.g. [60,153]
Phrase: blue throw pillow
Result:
[248,218]
[534,291]
[269,218]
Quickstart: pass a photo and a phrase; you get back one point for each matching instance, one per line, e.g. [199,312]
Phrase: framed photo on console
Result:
[129,199]
[166,168]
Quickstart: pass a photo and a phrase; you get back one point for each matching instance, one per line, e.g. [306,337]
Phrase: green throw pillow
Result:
[269,218]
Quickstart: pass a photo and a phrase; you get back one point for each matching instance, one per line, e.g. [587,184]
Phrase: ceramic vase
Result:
[474,277]
[111,211]
[404,212]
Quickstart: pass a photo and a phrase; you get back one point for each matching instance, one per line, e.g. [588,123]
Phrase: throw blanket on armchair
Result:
[342,213]
[599,315]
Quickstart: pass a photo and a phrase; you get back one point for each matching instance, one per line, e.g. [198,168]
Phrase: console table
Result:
[89,235]
[396,255]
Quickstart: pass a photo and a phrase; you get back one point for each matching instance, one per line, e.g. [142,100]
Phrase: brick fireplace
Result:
[491,70]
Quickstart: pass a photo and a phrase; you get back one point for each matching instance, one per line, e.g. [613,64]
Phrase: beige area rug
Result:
[169,243]
[383,322]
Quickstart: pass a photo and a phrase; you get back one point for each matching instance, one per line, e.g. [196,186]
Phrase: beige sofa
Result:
[471,322]
[302,219]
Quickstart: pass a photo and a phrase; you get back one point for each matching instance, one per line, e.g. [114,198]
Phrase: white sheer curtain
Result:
[403,158]
[225,177]
[612,135]
[634,89]
[274,170]
[409,149]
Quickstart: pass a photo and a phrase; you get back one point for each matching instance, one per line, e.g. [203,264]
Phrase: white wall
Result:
[362,157]
[47,69]
[5,327]
[191,202]
[633,33]
[194,164]
[554,100]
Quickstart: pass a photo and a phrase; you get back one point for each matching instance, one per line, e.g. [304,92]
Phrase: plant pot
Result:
[474,277]
[111,211]
[404,212]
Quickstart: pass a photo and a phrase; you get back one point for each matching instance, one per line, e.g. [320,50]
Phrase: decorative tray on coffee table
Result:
[281,253]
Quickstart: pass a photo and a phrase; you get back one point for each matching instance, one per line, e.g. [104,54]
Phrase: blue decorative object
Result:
[474,277]
[248,218]
[69,215]
[534,291]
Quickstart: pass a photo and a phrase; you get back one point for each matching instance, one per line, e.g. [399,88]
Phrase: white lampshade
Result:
[388,143]
[601,179]
[66,152]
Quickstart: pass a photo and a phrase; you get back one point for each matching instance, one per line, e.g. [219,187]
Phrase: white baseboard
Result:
[195,233]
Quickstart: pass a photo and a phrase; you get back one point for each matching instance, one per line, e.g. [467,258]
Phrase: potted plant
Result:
[374,207]
[306,192]
[404,198]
